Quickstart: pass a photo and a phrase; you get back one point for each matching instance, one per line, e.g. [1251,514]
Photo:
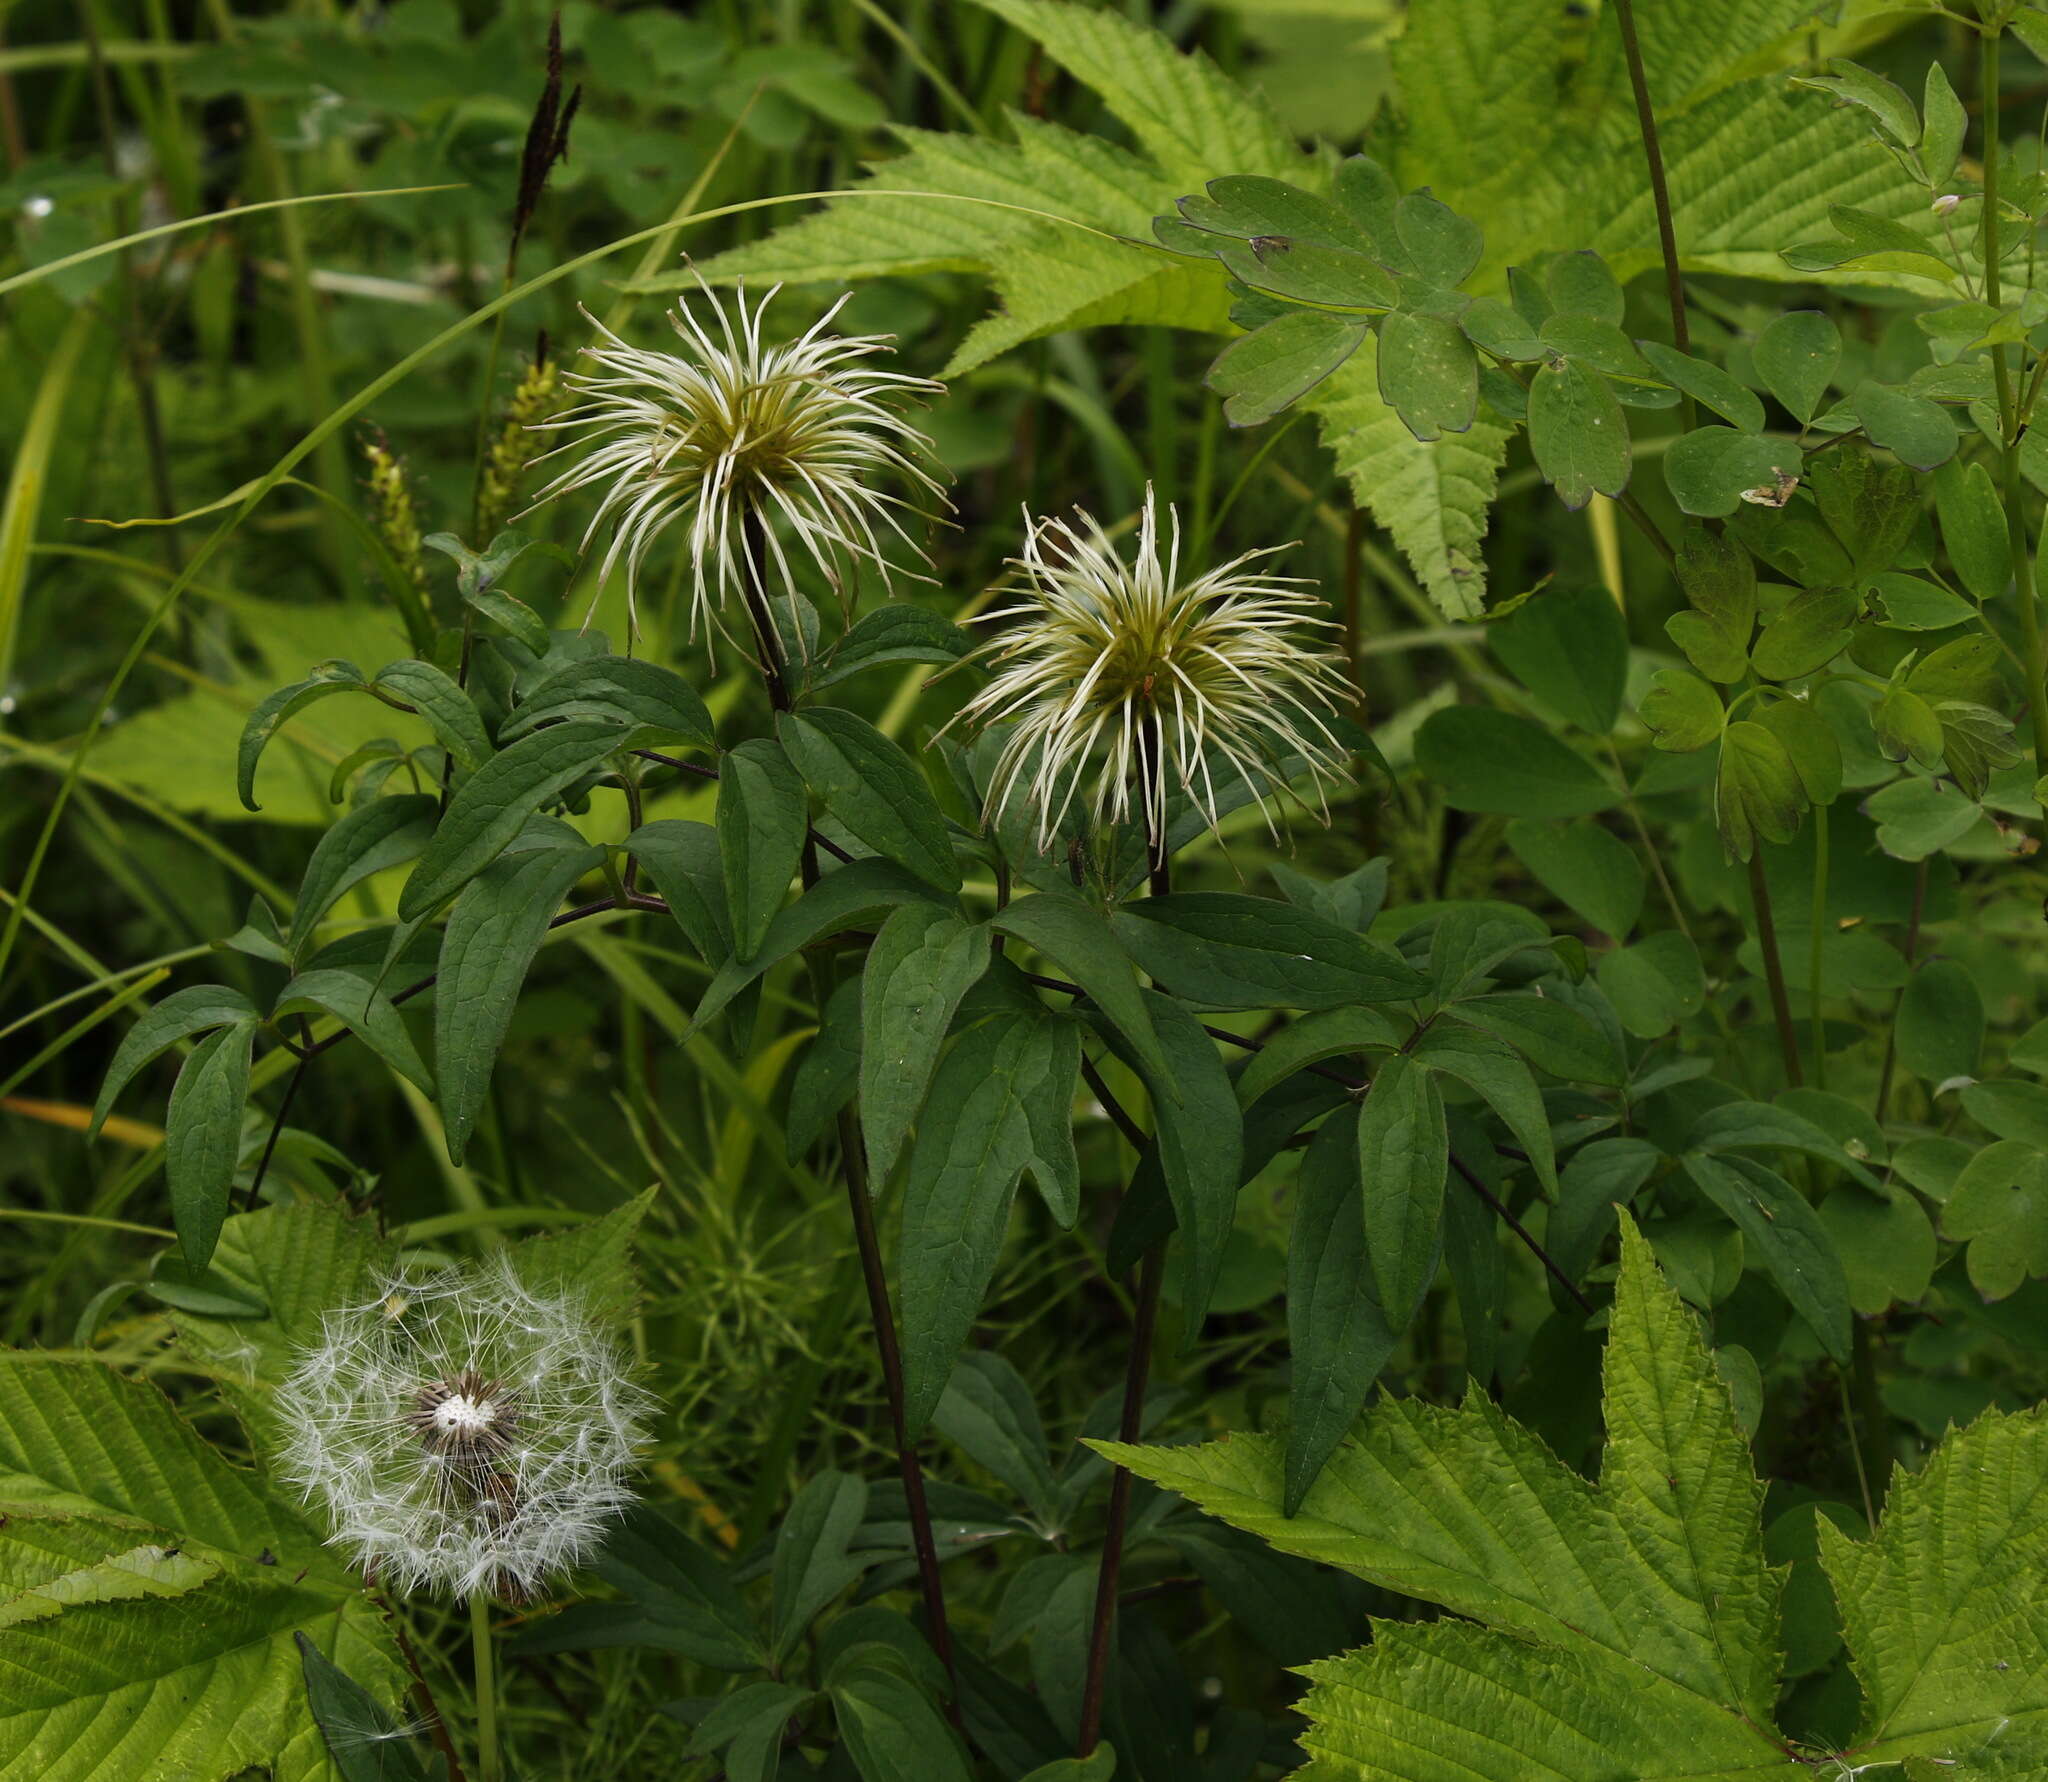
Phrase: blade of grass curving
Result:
[339,418]
[25,483]
[64,262]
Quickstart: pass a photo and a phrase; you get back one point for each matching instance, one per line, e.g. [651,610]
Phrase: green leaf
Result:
[1654,984]
[1277,364]
[1301,271]
[1869,504]
[1757,791]
[1789,1237]
[155,1593]
[1441,246]
[448,710]
[477,576]
[628,691]
[1581,284]
[1080,940]
[1577,432]
[898,632]
[1909,603]
[1489,760]
[840,898]
[1403,1155]
[1810,744]
[922,962]
[1917,817]
[1590,870]
[1199,1144]
[1720,583]
[1884,100]
[1707,384]
[872,787]
[1939,1029]
[1336,1331]
[199,1009]
[203,1136]
[683,861]
[987,1413]
[1098,1766]
[1918,431]
[1886,1243]
[278,709]
[748,1726]
[493,934]
[1999,1208]
[1551,1036]
[1710,469]
[372,838]
[1796,354]
[763,817]
[494,803]
[1629,1626]
[892,1730]
[364,1740]
[812,1564]
[1569,648]
[1810,632]
[1941,1596]
[977,1138]
[1234,951]
[2011,1108]
[1433,498]
[1973,527]
[1428,374]
[1495,1072]
[361,1007]
[1681,711]
[1329,1033]
[679,1598]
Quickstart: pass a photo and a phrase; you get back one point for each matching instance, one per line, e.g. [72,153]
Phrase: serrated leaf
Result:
[161,1642]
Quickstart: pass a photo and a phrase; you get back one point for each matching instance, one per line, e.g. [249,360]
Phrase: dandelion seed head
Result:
[792,440]
[462,1432]
[1125,682]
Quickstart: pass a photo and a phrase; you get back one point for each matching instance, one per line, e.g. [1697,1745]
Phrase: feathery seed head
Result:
[462,1432]
[1123,671]
[735,434]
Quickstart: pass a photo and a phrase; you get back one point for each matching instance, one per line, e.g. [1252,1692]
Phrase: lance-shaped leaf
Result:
[922,963]
[448,710]
[1495,1072]
[179,1016]
[494,803]
[1788,1235]
[1403,1153]
[1078,938]
[1336,1330]
[384,833]
[873,787]
[762,819]
[986,1124]
[203,1136]
[1256,952]
[269,716]
[361,1007]
[628,691]
[493,933]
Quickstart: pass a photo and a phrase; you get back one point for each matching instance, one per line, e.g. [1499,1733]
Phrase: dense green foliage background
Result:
[298,344]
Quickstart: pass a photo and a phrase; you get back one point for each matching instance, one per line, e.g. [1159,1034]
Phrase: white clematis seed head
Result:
[766,452]
[463,1432]
[1125,683]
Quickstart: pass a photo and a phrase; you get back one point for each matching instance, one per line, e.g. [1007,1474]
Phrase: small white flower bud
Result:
[1945,205]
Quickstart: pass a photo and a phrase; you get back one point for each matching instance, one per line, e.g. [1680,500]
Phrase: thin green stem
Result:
[488,1765]
[1774,968]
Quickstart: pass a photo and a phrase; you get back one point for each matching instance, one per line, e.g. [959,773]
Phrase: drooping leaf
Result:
[922,962]
[1402,1160]
[203,1136]
[762,820]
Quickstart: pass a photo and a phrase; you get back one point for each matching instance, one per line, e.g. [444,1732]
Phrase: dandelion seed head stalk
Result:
[462,1432]
[796,438]
[1124,682]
